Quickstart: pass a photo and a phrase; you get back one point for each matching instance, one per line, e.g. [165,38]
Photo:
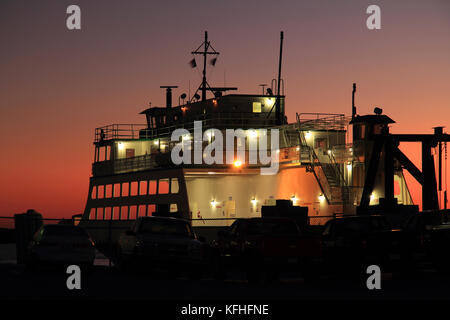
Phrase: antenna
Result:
[353,101]
[278,106]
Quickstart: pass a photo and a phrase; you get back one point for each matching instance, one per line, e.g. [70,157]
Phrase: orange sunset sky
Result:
[57,85]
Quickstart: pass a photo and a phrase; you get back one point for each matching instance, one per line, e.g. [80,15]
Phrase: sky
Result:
[58,85]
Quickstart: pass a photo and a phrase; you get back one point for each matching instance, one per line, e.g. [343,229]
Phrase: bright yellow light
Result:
[321,198]
[237,163]
[254,201]
[213,203]
[269,102]
[294,200]
[329,151]
[121,146]
[372,197]
[156,142]
[297,149]
[349,167]
[253,133]
[308,135]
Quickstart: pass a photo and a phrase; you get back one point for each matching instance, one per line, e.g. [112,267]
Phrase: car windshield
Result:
[271,227]
[166,227]
[60,230]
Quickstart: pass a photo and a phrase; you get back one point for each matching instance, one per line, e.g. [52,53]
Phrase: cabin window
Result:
[101,213]
[94,193]
[108,190]
[320,143]
[125,189]
[143,188]
[151,208]
[362,132]
[92,214]
[141,210]
[256,107]
[133,211]
[377,128]
[101,154]
[124,213]
[129,153]
[152,187]
[107,213]
[117,190]
[134,188]
[108,153]
[101,191]
[163,187]
[115,214]
[174,188]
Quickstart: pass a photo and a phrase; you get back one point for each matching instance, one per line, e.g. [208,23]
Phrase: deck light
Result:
[237,163]
[308,135]
[253,133]
[121,146]
[349,166]
[156,142]
[254,201]
[321,198]
[294,199]
[213,203]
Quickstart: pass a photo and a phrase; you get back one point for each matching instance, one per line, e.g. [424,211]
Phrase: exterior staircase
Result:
[328,175]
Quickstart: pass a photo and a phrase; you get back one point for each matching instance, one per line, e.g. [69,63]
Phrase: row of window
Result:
[126,212]
[135,188]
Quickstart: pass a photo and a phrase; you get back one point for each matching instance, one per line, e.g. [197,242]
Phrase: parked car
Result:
[61,245]
[162,242]
[426,238]
[353,243]
[267,246]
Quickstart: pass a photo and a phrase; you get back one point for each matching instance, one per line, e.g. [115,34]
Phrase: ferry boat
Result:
[319,166]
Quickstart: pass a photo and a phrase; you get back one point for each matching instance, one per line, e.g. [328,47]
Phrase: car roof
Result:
[256,219]
[358,217]
[46,226]
[161,218]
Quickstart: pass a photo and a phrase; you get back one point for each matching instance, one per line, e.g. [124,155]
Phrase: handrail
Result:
[326,191]
[213,120]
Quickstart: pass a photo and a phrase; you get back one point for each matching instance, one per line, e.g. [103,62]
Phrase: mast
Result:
[353,101]
[206,45]
[278,106]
